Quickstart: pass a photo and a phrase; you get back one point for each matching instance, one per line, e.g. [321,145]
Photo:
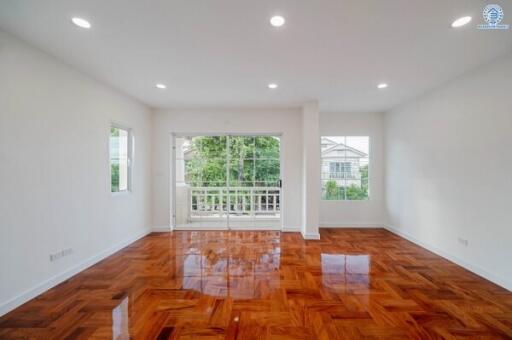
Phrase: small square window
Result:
[120,159]
[345,162]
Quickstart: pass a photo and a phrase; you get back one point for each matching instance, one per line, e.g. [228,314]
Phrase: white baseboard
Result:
[161,229]
[471,267]
[234,228]
[200,228]
[29,294]
[291,229]
[311,236]
[256,228]
[351,225]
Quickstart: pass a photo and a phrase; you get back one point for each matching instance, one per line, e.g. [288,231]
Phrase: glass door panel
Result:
[201,200]
[254,191]
[267,147]
[226,182]
[241,173]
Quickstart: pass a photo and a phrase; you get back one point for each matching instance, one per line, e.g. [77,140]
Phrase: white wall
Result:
[369,213]
[54,171]
[449,170]
[285,121]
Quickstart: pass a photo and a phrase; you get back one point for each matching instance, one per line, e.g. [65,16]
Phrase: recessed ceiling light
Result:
[461,22]
[382,86]
[272,86]
[161,86]
[277,21]
[80,22]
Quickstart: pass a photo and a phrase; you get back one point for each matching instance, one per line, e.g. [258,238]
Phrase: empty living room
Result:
[271,169]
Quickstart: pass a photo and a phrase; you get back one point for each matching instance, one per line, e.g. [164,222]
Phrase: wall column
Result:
[182,188]
[311,168]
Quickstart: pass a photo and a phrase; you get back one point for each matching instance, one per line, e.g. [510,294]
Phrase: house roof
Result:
[343,146]
[328,140]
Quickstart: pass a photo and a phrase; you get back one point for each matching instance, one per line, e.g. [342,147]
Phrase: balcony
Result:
[341,175]
[245,206]
[227,181]
[239,202]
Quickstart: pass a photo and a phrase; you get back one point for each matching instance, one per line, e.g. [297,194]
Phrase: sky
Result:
[361,143]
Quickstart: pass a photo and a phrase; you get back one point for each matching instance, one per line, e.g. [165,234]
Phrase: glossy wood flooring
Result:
[266,285]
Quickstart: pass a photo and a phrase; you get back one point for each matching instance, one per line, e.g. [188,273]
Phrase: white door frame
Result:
[172,169]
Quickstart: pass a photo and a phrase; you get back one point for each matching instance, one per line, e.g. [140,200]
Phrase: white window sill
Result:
[121,193]
[368,200]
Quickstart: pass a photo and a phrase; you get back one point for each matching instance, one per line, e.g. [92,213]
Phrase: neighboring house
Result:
[341,163]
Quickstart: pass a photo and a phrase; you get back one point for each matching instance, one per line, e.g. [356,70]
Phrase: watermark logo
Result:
[493,15]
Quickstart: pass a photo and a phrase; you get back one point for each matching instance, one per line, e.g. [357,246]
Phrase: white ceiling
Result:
[224,52]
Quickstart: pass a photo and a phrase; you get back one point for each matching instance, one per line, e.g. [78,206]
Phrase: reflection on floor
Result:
[234,224]
[258,285]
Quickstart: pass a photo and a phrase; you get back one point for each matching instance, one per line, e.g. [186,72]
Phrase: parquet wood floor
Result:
[352,284]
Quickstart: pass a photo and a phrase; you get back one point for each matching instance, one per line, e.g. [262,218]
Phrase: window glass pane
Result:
[267,147]
[204,161]
[241,147]
[267,173]
[119,159]
[209,146]
[345,162]
[212,172]
[241,173]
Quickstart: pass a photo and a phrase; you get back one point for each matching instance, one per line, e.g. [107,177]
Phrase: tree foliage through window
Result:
[253,161]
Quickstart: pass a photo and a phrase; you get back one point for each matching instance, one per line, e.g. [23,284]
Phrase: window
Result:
[345,162]
[120,159]
[340,170]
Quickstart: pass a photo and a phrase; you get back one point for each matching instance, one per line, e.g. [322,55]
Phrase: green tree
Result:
[114,165]
[115,177]
[355,192]
[331,190]
[352,192]
[253,161]
[364,177]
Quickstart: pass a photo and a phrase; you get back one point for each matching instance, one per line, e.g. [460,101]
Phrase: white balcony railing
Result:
[249,202]
[341,175]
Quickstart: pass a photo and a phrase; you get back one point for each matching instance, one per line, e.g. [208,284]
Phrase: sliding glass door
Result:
[254,174]
[227,182]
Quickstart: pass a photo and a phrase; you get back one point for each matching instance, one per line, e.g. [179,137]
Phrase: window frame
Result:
[130,153]
[322,179]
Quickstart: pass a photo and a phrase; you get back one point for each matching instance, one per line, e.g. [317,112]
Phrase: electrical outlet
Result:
[463,241]
[62,253]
